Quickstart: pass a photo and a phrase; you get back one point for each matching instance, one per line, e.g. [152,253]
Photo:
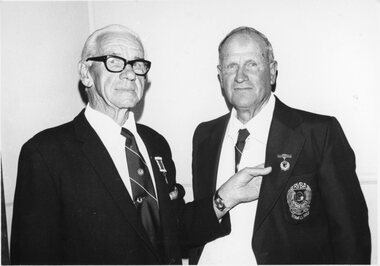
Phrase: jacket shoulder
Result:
[149,132]
[208,126]
[322,129]
[216,121]
[319,124]
[296,117]
[152,137]
[52,135]
[314,118]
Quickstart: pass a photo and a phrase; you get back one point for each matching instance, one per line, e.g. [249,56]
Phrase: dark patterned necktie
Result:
[239,147]
[143,194]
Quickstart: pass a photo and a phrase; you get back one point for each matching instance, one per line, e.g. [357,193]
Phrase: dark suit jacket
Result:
[336,228]
[71,206]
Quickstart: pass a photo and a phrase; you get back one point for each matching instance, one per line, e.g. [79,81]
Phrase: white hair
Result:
[250,31]
[90,47]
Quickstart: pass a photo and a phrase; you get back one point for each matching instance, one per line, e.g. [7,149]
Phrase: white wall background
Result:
[40,47]
[327,51]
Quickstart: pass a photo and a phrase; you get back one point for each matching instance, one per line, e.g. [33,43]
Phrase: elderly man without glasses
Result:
[310,209]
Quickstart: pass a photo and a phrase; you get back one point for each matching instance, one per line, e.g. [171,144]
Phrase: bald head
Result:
[246,35]
[95,41]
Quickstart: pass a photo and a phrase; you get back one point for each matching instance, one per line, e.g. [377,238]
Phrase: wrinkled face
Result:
[244,71]
[113,91]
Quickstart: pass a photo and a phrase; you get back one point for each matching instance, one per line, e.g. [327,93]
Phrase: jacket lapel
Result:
[209,149]
[283,139]
[101,161]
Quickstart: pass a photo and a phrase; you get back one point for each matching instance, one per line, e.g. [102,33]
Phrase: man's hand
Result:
[244,186]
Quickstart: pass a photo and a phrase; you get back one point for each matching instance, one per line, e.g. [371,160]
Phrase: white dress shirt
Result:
[236,248]
[109,133]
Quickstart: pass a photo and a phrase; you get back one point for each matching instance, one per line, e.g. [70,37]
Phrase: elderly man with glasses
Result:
[101,189]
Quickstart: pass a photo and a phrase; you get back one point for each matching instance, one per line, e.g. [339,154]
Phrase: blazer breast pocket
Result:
[299,198]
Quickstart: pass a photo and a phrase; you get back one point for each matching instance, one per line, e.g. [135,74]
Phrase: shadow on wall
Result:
[4,233]
[137,110]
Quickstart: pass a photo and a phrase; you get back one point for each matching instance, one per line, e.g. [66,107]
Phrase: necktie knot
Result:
[243,135]
[128,136]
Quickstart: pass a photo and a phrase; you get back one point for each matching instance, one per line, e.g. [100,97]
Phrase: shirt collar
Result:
[258,126]
[106,126]
[130,124]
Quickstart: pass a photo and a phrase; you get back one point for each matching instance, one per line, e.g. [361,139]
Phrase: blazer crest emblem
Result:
[299,199]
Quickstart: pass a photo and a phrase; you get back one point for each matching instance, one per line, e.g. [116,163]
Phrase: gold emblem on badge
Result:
[284,165]
[299,199]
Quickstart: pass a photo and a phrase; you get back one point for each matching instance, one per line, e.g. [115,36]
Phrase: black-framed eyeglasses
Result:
[117,64]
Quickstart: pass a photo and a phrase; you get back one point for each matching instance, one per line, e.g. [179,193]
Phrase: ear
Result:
[85,75]
[220,75]
[273,72]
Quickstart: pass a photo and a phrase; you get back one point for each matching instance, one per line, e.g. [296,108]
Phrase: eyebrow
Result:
[119,55]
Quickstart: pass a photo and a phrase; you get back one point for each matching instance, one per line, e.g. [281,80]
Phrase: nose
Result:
[128,73]
[240,75]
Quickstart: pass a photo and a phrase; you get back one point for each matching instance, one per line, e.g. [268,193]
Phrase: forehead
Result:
[122,44]
[243,45]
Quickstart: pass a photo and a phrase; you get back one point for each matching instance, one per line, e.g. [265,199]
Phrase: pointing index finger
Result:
[254,171]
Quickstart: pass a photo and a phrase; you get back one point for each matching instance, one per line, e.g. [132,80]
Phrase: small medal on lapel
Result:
[284,165]
[161,166]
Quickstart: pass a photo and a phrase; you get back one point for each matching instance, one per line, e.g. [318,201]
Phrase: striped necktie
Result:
[239,147]
[143,194]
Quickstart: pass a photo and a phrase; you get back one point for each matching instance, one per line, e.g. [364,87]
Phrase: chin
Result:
[243,102]
[126,104]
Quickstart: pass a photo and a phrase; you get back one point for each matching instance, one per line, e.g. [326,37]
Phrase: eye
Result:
[139,65]
[251,65]
[231,67]
[115,61]
[115,64]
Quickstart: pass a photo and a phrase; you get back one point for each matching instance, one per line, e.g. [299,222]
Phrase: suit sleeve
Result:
[199,224]
[36,229]
[343,200]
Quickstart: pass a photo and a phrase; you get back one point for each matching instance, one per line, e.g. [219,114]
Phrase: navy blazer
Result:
[328,223]
[71,206]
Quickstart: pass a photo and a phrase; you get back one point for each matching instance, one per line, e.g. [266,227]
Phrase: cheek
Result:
[103,83]
[259,80]
[108,85]
[227,81]
[140,84]
[227,84]
[264,76]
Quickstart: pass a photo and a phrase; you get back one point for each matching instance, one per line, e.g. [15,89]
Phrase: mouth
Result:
[242,88]
[126,89]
